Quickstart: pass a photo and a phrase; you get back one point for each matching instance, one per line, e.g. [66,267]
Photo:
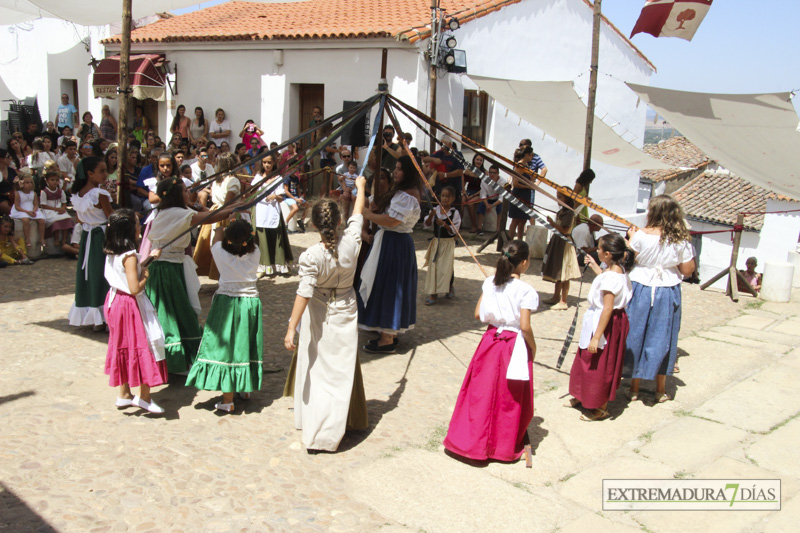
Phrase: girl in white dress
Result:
[53,203]
[224,189]
[327,352]
[597,369]
[273,239]
[26,207]
[441,252]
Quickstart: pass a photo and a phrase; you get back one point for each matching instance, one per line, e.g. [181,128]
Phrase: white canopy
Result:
[90,12]
[753,135]
[555,108]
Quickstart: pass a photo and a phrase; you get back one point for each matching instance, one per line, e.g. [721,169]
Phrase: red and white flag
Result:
[671,18]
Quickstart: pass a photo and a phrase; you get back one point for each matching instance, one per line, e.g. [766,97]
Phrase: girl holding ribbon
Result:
[495,404]
[92,205]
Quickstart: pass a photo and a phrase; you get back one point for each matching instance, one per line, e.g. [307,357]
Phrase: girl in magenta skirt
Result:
[135,355]
[597,369]
[495,404]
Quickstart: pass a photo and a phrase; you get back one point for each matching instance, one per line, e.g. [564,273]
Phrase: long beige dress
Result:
[328,346]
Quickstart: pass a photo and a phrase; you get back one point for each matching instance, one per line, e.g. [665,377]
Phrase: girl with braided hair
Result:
[230,354]
[329,393]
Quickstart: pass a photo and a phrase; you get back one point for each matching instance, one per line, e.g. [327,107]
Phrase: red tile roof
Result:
[317,19]
[719,197]
[678,151]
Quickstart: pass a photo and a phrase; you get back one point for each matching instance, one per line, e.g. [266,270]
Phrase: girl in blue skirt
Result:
[663,257]
[388,290]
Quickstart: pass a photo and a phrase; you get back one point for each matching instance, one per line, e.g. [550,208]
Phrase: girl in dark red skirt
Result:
[495,404]
[597,369]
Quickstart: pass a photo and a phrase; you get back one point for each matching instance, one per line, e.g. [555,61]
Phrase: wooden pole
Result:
[434,59]
[734,276]
[124,87]
[587,146]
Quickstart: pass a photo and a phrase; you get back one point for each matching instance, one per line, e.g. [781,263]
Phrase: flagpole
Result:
[587,147]
[124,88]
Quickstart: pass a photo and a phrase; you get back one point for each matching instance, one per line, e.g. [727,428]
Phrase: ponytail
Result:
[515,253]
[326,217]
[621,255]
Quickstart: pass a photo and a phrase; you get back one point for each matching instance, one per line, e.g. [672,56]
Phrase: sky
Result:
[742,46]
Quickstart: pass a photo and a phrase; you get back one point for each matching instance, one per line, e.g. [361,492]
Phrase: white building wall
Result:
[778,236]
[35,57]
[550,40]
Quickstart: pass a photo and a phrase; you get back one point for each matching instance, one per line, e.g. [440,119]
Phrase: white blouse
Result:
[85,207]
[268,212]
[220,190]
[657,263]
[455,217]
[404,208]
[166,225]
[500,306]
[237,274]
[115,271]
[617,284]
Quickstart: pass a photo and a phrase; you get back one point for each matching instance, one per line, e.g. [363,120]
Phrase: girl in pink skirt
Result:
[597,369]
[135,355]
[495,404]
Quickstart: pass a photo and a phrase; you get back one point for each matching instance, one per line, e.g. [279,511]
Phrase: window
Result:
[476,105]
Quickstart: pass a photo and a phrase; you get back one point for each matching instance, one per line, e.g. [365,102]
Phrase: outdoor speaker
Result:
[357,133]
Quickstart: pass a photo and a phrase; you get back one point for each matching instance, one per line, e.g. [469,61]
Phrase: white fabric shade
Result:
[753,135]
[555,108]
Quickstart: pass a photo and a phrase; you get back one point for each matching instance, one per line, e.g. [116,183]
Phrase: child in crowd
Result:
[26,207]
[441,251]
[12,251]
[348,183]
[495,404]
[296,201]
[273,240]
[560,263]
[93,207]
[173,284]
[135,356]
[489,198]
[329,391]
[664,256]
[597,369]
[54,206]
[230,354]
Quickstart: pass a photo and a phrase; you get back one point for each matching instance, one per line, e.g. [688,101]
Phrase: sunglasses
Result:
[346,156]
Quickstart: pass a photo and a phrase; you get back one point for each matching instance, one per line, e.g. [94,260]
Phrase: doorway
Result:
[311,96]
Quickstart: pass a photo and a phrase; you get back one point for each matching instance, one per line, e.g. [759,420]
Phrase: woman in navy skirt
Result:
[663,257]
[388,291]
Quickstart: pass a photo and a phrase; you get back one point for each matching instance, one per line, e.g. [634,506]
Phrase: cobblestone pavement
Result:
[69,461]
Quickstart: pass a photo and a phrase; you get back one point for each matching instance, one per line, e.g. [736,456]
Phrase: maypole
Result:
[590,103]
[124,90]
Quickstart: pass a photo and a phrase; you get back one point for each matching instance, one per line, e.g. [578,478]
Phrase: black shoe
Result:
[302,225]
[374,348]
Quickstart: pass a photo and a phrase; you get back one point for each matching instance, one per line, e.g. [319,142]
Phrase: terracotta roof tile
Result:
[678,151]
[719,197]
[317,19]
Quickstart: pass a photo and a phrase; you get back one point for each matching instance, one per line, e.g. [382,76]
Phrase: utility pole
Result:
[124,88]
[434,58]
[587,146]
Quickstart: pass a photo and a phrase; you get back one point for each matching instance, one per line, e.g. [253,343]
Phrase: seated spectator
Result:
[750,274]
[68,163]
[585,238]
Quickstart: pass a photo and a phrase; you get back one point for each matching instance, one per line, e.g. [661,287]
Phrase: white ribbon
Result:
[518,364]
[88,229]
[370,268]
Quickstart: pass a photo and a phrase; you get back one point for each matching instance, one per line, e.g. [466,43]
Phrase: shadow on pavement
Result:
[16,515]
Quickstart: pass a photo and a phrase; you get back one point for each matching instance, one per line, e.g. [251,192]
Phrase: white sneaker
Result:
[150,406]
[227,407]
[122,403]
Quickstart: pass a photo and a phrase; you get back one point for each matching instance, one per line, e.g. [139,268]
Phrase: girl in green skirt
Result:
[173,283]
[230,353]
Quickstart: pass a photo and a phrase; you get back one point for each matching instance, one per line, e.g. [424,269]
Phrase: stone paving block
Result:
[668,445]
[779,451]
[586,487]
[599,524]
[708,368]
[751,322]
[792,358]
[762,345]
[717,521]
[757,403]
[433,492]
[784,520]
[770,336]
[789,327]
